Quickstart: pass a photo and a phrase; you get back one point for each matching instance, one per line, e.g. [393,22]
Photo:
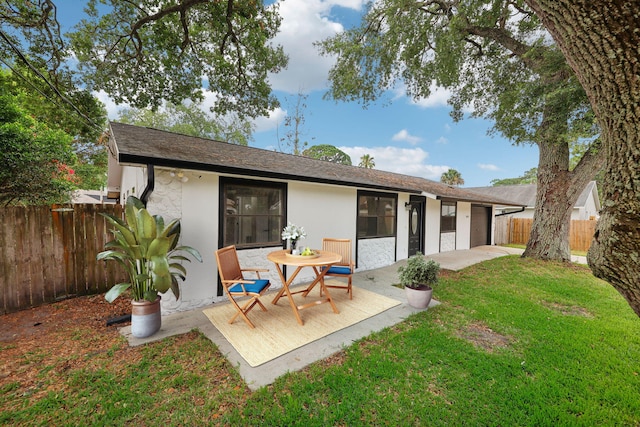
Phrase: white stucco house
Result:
[230,194]
[586,207]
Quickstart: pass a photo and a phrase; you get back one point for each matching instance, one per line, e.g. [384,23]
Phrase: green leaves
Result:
[35,158]
[147,249]
[160,274]
[116,290]
[503,67]
[149,52]
[327,153]
[418,270]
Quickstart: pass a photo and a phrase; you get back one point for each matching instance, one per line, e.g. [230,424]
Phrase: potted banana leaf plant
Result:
[418,278]
[148,250]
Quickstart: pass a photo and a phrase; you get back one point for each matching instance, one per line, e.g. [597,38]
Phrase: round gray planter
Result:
[419,297]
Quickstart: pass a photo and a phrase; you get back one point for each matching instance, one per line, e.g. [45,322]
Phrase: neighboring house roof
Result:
[143,146]
[591,188]
[90,196]
[525,194]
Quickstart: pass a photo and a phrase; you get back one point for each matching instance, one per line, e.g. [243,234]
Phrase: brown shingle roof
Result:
[141,145]
[525,194]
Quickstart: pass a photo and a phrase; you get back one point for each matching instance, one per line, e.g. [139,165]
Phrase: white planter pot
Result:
[146,318]
[420,297]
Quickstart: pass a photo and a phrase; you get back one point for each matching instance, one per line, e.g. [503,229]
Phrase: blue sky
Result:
[414,138]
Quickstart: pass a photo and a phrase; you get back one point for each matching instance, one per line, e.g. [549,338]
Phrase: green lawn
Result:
[515,342]
[514,245]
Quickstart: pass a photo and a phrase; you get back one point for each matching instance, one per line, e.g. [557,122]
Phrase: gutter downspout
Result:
[151,182]
[511,212]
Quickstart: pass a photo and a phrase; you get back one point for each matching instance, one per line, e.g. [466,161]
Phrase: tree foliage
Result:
[148,51]
[367,162]
[294,122]
[452,177]
[328,153]
[529,177]
[497,60]
[190,119]
[83,118]
[35,51]
[35,158]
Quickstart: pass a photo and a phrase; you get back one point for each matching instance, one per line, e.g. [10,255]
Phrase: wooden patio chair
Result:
[235,284]
[344,268]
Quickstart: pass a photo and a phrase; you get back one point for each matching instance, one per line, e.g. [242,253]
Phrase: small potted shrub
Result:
[148,250]
[418,278]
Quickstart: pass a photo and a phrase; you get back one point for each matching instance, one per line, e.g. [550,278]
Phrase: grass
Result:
[518,246]
[515,342]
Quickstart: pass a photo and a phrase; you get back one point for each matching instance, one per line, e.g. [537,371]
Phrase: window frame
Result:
[452,221]
[224,184]
[361,218]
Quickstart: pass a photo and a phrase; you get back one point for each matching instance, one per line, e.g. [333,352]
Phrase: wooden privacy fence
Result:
[517,230]
[48,253]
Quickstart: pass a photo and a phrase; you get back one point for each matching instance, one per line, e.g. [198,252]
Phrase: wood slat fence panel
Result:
[517,230]
[582,232]
[501,235]
[49,253]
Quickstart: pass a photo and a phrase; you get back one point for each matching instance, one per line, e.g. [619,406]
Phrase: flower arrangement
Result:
[293,233]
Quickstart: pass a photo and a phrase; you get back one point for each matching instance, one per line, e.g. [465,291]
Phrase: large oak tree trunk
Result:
[558,189]
[549,238]
[600,41]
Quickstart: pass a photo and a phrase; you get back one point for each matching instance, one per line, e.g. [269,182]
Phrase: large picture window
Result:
[448,217]
[376,214]
[252,213]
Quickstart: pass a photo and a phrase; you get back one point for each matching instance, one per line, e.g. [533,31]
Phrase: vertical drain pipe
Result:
[151,182]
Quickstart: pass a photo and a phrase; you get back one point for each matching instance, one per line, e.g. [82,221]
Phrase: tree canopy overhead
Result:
[497,59]
[148,51]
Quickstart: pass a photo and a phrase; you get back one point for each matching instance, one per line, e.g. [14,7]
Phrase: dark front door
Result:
[480,225]
[416,225]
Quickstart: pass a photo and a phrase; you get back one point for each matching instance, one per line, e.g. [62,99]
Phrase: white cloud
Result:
[407,161]
[269,123]
[404,135]
[303,23]
[488,167]
[438,97]
[442,140]
[112,108]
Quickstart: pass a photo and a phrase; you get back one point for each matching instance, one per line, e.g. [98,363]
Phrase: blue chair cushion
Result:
[336,269]
[255,287]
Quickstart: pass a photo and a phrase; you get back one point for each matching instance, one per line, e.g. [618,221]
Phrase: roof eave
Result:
[177,164]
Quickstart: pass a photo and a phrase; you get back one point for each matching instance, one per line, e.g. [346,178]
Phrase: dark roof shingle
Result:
[142,145]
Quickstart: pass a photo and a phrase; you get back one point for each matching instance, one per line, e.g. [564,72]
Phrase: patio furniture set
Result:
[335,259]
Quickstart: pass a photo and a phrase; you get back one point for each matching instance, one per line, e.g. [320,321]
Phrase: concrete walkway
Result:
[378,280]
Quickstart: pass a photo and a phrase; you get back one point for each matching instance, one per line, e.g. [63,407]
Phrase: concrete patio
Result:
[378,280]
